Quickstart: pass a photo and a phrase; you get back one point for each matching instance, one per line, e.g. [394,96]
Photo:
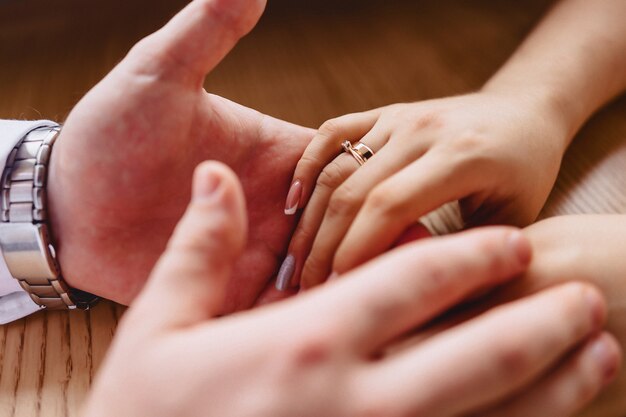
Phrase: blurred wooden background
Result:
[306,62]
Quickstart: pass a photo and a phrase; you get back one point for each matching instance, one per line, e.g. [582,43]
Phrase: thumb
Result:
[190,45]
[189,281]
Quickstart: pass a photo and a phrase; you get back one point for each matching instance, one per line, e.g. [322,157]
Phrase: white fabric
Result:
[14,302]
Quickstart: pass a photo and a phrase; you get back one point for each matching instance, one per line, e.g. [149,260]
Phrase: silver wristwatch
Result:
[24,234]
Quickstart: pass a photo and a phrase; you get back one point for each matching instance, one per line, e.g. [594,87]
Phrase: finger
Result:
[409,286]
[191,44]
[493,355]
[344,205]
[302,239]
[398,202]
[332,176]
[416,232]
[322,150]
[189,281]
[271,295]
[572,386]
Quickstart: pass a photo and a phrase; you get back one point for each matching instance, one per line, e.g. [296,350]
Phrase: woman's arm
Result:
[574,61]
[497,151]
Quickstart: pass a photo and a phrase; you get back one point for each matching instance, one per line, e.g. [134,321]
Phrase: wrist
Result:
[57,214]
[58,219]
[547,107]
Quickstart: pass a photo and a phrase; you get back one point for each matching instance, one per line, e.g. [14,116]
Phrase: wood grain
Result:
[306,62]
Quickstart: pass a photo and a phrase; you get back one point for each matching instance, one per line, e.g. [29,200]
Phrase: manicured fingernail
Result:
[606,357]
[333,276]
[521,246]
[286,273]
[293,198]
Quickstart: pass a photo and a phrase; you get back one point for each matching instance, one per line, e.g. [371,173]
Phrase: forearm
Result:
[573,63]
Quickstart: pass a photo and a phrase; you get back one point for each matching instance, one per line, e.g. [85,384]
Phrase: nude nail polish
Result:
[286,273]
[293,198]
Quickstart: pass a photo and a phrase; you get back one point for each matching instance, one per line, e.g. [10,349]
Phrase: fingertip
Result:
[215,185]
[213,179]
[588,301]
[285,273]
[207,179]
[294,198]
[195,40]
[607,354]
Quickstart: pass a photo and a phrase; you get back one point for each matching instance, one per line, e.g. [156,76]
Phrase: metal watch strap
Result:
[24,236]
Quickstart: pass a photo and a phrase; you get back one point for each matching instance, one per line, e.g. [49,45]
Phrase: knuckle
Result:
[511,360]
[343,202]
[468,142]
[436,279]
[145,60]
[378,199]
[415,119]
[308,162]
[431,119]
[492,252]
[384,201]
[303,236]
[330,128]
[469,151]
[149,61]
[331,176]
[314,347]
[394,112]
[347,256]
[313,266]
[384,310]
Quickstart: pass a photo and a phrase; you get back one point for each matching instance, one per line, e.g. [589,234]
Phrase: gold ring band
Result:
[361,152]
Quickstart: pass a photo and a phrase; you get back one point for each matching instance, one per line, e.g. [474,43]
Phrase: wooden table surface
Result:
[306,62]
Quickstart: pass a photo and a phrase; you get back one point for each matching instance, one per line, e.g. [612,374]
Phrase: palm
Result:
[135,156]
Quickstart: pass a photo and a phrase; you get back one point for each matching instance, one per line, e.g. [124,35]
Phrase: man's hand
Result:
[121,170]
[319,354]
[571,248]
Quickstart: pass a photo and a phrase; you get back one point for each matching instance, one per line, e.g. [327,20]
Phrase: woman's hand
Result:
[583,248]
[572,248]
[318,354]
[498,155]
